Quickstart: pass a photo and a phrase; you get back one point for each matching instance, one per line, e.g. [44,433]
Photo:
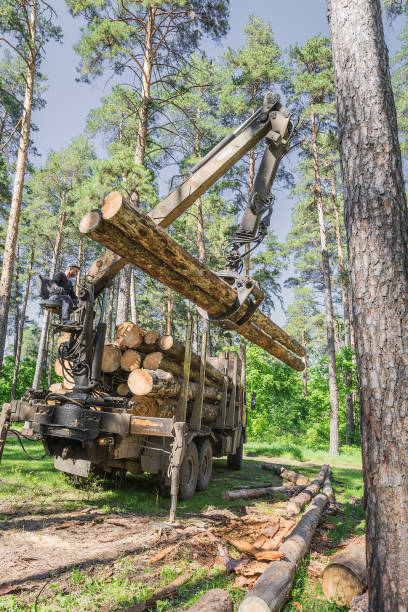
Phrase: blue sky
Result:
[68,102]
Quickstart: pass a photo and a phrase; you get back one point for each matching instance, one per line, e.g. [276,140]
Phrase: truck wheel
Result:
[189,472]
[205,465]
[234,462]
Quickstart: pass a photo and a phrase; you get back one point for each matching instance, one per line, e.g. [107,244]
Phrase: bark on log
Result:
[111,358]
[327,487]
[260,492]
[127,335]
[130,360]
[273,587]
[144,406]
[142,382]
[345,576]
[122,389]
[296,504]
[107,234]
[215,599]
[297,479]
[158,361]
[167,409]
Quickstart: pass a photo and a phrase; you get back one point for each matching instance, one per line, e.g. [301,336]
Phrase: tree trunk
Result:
[50,360]
[348,378]
[17,302]
[109,316]
[377,232]
[122,309]
[21,326]
[16,199]
[331,350]
[133,307]
[304,373]
[169,311]
[42,348]
[251,177]
[80,263]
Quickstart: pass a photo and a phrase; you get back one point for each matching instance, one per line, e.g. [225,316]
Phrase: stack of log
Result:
[147,369]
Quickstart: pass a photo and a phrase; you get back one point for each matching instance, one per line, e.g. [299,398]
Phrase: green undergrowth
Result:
[36,488]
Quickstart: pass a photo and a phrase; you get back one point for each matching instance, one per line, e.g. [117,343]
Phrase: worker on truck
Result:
[62,292]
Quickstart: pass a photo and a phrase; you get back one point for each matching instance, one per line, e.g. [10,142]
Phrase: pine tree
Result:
[376,219]
[26,27]
[313,87]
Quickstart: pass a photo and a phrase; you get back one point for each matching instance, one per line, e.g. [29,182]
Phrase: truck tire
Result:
[205,465]
[234,462]
[189,472]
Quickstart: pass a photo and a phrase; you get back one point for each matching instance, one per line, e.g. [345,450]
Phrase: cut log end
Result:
[341,585]
[90,221]
[166,342]
[151,337]
[152,361]
[144,406]
[111,204]
[130,360]
[122,390]
[140,382]
[111,358]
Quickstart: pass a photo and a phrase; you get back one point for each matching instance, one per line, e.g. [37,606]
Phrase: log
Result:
[111,358]
[63,338]
[56,388]
[158,361]
[297,503]
[130,360]
[144,406]
[345,576]
[151,337]
[122,389]
[167,409]
[111,228]
[260,492]
[327,488]
[127,335]
[274,586]
[294,477]
[142,382]
[214,599]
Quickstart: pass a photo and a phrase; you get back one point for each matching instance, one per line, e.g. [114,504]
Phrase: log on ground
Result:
[215,599]
[119,238]
[261,492]
[297,503]
[345,576]
[297,479]
[274,586]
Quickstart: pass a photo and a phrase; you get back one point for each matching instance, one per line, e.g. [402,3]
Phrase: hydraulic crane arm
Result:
[272,122]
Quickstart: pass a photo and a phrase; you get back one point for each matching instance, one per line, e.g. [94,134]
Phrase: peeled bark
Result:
[376,221]
[296,504]
[274,586]
[345,576]
[17,195]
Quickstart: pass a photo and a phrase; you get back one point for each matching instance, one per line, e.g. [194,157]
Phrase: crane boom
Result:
[271,121]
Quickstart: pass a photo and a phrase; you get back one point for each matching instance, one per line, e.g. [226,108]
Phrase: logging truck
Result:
[146,403]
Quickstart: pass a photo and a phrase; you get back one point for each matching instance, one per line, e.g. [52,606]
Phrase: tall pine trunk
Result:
[16,199]
[331,349]
[109,314]
[124,298]
[251,177]
[42,348]
[348,378]
[21,326]
[133,304]
[376,221]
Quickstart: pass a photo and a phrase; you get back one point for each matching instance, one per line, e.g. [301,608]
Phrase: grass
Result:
[36,488]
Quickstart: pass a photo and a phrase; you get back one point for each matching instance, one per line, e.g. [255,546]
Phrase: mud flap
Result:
[77,467]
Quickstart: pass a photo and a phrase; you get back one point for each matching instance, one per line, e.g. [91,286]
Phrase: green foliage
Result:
[283,413]
[25,377]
